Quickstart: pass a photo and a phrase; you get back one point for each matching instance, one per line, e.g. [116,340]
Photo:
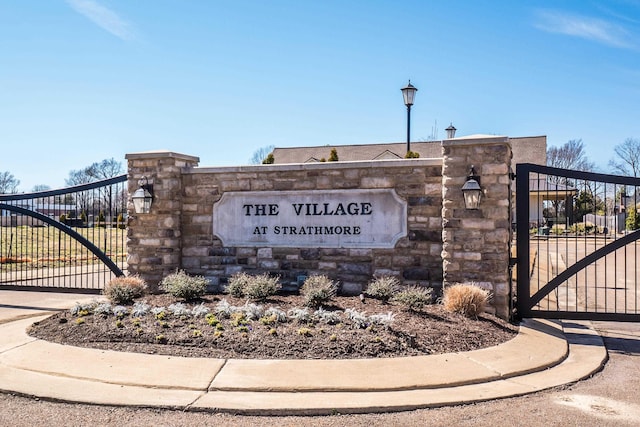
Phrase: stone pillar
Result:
[476,243]
[154,240]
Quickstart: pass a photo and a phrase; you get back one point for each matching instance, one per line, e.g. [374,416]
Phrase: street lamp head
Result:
[408,93]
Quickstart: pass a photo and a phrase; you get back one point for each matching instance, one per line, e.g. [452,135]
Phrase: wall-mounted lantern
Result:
[472,191]
[143,196]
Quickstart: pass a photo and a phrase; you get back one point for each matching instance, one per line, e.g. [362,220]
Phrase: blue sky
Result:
[86,80]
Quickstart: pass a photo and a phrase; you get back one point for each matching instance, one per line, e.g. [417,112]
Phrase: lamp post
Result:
[408,93]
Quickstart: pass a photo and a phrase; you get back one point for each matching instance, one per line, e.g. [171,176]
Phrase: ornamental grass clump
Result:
[467,299]
[413,298]
[383,288]
[237,284]
[318,291]
[181,285]
[124,290]
[261,287]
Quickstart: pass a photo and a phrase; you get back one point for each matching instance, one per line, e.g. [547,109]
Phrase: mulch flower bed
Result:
[431,330]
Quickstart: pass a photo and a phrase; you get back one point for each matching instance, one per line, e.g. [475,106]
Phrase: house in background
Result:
[530,149]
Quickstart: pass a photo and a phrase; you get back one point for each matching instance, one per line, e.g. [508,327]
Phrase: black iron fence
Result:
[577,244]
[70,239]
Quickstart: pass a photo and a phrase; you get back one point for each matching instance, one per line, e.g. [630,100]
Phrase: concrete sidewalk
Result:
[544,354]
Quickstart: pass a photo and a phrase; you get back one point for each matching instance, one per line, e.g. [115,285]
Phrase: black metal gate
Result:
[72,239]
[577,244]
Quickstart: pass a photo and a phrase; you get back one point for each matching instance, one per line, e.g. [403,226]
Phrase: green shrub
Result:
[318,290]
[466,299]
[633,219]
[557,229]
[101,219]
[120,222]
[413,298]
[63,219]
[411,155]
[181,285]
[333,155]
[383,288]
[123,290]
[237,284]
[261,287]
[269,159]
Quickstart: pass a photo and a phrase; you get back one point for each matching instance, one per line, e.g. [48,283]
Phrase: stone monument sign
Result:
[340,219]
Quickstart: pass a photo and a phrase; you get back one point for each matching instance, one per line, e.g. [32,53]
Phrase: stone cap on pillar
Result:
[477,139]
[155,154]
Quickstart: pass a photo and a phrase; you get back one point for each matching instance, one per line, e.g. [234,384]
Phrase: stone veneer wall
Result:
[154,240]
[476,243]
[444,242]
[416,259]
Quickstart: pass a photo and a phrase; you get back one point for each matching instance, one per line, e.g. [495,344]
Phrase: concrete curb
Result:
[544,354]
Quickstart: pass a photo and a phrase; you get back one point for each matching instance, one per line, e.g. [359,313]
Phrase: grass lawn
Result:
[37,247]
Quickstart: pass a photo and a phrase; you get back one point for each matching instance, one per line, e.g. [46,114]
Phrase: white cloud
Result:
[597,30]
[103,17]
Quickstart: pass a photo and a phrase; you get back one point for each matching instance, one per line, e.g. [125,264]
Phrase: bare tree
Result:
[105,169]
[570,155]
[8,183]
[627,161]
[40,187]
[260,154]
[97,171]
[108,168]
[78,177]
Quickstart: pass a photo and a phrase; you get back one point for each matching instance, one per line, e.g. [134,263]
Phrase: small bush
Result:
[224,309]
[279,315]
[382,319]
[237,284]
[413,298]
[120,311]
[358,318]
[252,311]
[467,299]
[261,287]
[120,222]
[103,309]
[123,290]
[140,309]
[179,310]
[305,332]
[300,315]
[383,288]
[181,285]
[328,317]
[200,310]
[318,290]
